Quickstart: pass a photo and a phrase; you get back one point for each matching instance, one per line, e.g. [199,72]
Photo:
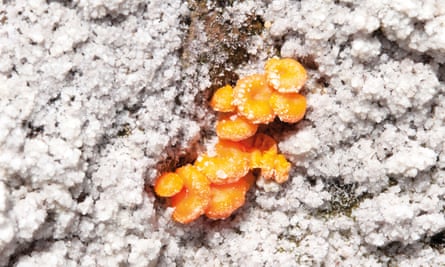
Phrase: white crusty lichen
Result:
[395,217]
[73,157]
[97,97]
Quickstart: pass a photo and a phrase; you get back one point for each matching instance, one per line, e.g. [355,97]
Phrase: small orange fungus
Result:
[224,147]
[251,96]
[226,167]
[191,203]
[194,180]
[261,142]
[257,146]
[264,155]
[222,99]
[235,127]
[168,184]
[226,198]
[285,75]
[190,207]
[289,107]
[275,167]
[217,183]
[176,199]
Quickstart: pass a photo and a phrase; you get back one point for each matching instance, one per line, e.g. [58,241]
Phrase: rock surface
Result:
[98,97]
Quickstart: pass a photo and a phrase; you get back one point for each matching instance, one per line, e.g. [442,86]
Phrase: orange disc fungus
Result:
[168,184]
[289,107]
[222,99]
[194,181]
[264,156]
[223,147]
[226,198]
[193,203]
[285,75]
[190,207]
[176,199]
[261,142]
[275,167]
[251,96]
[217,183]
[235,127]
[226,167]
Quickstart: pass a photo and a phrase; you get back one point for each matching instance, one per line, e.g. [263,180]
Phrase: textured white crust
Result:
[87,116]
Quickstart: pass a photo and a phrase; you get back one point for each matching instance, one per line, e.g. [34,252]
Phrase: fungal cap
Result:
[285,75]
[188,206]
[235,127]
[289,107]
[168,184]
[224,146]
[194,180]
[275,166]
[257,146]
[226,198]
[251,96]
[282,169]
[193,200]
[226,167]
[222,99]
[260,142]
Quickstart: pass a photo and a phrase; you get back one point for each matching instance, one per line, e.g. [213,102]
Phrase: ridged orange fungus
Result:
[264,156]
[235,127]
[285,75]
[169,184]
[226,198]
[217,182]
[222,99]
[194,201]
[226,168]
[274,166]
[289,107]
[251,96]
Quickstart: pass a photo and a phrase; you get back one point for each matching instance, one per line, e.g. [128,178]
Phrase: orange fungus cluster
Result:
[215,185]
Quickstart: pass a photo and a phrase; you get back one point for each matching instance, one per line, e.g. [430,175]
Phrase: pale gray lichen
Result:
[97,97]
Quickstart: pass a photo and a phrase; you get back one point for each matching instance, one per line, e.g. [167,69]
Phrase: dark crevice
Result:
[32,130]
[65,3]
[111,20]
[441,72]
[397,52]
[225,48]
[343,197]
[437,241]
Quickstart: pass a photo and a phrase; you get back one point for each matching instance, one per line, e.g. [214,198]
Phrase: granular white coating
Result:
[94,97]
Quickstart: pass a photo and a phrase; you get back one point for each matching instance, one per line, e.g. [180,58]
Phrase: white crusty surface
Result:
[97,96]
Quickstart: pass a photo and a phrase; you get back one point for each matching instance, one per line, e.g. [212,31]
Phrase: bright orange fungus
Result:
[251,96]
[222,100]
[235,127]
[226,198]
[223,169]
[168,184]
[285,75]
[217,183]
[196,198]
[289,107]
